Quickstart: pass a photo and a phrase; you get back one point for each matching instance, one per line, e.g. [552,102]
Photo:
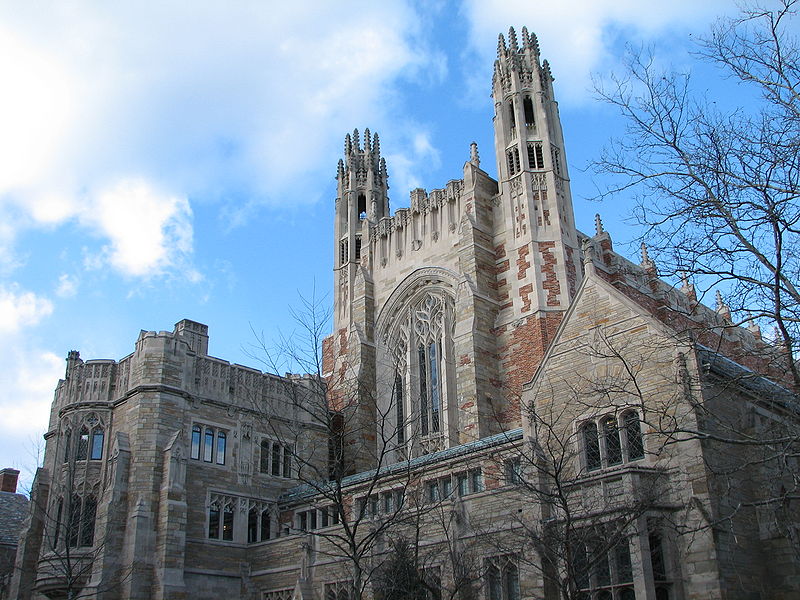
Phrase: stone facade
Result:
[544,418]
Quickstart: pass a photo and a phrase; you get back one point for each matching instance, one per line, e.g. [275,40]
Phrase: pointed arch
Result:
[416,378]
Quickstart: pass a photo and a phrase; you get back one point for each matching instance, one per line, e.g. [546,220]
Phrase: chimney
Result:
[8,480]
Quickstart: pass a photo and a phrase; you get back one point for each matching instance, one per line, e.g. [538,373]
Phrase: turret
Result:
[361,199]
[531,167]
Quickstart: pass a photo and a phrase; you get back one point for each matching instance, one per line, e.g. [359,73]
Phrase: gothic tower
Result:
[537,242]
[361,200]
[444,310]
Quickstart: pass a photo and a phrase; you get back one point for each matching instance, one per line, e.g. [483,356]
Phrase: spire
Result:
[348,145]
[547,72]
[501,47]
[598,224]
[357,139]
[753,326]
[526,40]
[722,309]
[687,287]
[647,263]
[367,141]
[474,157]
[512,40]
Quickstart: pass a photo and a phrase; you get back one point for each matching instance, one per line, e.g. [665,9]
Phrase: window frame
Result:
[603,446]
[209,444]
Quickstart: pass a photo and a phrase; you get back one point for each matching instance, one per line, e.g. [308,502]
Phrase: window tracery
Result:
[420,348]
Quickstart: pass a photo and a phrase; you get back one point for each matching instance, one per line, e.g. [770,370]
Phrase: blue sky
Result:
[168,160]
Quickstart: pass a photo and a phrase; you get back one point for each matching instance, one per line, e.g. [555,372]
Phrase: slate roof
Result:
[13,510]
[305,490]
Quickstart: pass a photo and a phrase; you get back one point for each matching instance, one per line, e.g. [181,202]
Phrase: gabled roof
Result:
[594,279]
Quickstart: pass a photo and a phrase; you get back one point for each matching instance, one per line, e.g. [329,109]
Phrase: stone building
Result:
[541,417]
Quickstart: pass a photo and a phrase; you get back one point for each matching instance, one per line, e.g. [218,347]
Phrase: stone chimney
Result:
[8,480]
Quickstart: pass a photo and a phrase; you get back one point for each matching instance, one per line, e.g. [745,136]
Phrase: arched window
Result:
[196,432]
[57,526]
[633,435]
[67,442]
[527,105]
[591,446]
[213,521]
[503,579]
[287,461]
[97,443]
[83,444]
[276,460]
[87,521]
[252,525]
[512,117]
[612,441]
[362,206]
[399,409]
[227,522]
[73,521]
[264,458]
[208,445]
[221,441]
[265,524]
[417,378]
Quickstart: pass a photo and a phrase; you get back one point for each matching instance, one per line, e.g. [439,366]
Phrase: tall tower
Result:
[361,200]
[349,355]
[537,230]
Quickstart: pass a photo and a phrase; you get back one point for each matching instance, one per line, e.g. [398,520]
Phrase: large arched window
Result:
[416,370]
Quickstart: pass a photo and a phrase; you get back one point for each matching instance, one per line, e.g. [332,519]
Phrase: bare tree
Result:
[717,190]
[355,486]
[577,529]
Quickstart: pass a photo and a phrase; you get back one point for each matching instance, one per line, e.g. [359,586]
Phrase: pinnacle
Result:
[501,46]
[512,40]
[598,224]
[526,41]
[474,157]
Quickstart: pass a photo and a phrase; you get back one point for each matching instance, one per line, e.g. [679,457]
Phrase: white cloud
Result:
[222,97]
[577,37]
[28,376]
[149,231]
[19,309]
[67,286]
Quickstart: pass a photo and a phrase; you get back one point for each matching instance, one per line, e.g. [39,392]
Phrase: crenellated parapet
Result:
[422,203]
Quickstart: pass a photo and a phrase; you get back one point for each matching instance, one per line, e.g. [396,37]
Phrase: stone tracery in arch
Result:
[416,338]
